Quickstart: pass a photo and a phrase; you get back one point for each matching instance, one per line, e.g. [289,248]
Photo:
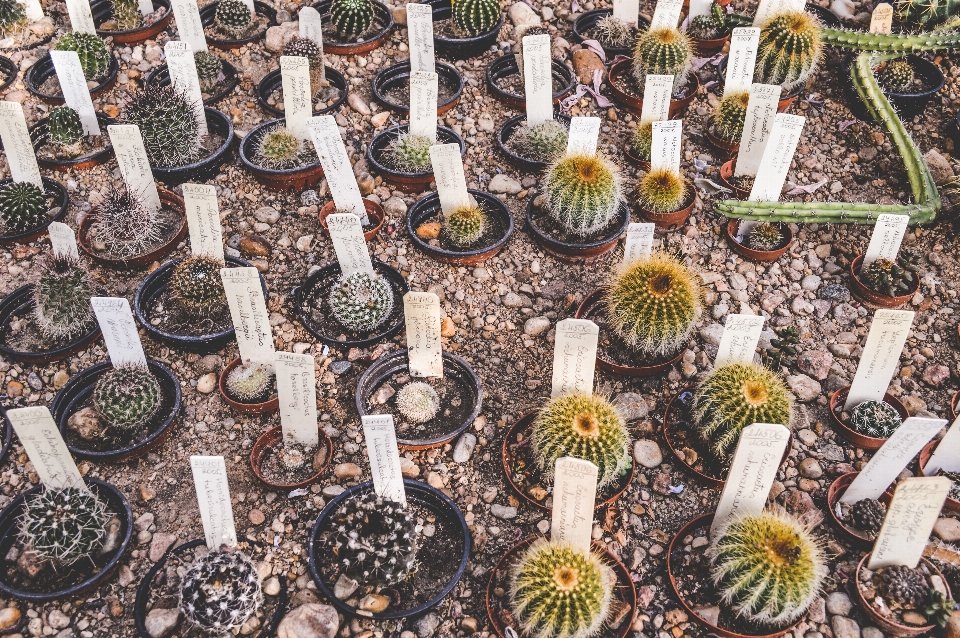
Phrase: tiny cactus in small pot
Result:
[361,302]
[126,14]
[307,48]
[765,237]
[584,192]
[709,26]
[897,76]
[221,591]
[278,149]
[867,514]
[209,69]
[61,298]
[234,18]
[642,140]
[612,32]
[662,51]
[66,131]
[892,278]
[543,142]
[125,226]
[418,402]
[409,153]
[466,225]
[730,115]
[168,123]
[875,419]
[13,16]
[23,207]
[789,49]
[907,589]
[351,18]
[251,383]
[197,287]
[375,540]
[94,56]
[662,191]
[64,526]
[127,397]
[475,17]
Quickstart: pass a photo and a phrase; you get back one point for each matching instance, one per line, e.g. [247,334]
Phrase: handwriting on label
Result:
[666,146]
[574,357]
[769,8]
[738,343]
[777,156]
[538,79]
[81,18]
[946,456]
[248,309]
[424,88]
[63,241]
[183,76]
[421,311]
[881,20]
[337,168]
[381,439]
[886,238]
[18,146]
[349,244]
[119,331]
[297,391]
[639,242]
[74,88]
[657,91]
[203,218]
[913,511]
[297,95]
[420,32]
[448,173]
[626,10]
[744,42]
[41,439]
[574,495]
[189,24]
[666,14]
[213,497]
[134,163]
[881,353]
[761,111]
[311,28]
[583,135]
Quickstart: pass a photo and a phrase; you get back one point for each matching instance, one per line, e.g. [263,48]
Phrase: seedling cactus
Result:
[790,46]
[876,419]
[278,149]
[209,69]
[939,608]
[66,131]
[13,16]
[64,525]
[251,382]
[375,539]
[583,192]
[614,32]
[126,14]
[906,587]
[663,51]
[782,349]
[351,18]
[127,397]
[466,225]
[543,142]
[306,48]
[765,237]
[728,120]
[94,56]
[220,591]
[23,207]
[169,125]
[892,278]
[196,285]
[61,298]
[418,402]
[897,76]
[125,225]
[361,301]
[233,17]
[409,153]
[662,191]
[475,17]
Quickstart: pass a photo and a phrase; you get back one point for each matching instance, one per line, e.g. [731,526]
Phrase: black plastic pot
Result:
[460,48]
[273,82]
[382,25]
[7,434]
[297,179]
[154,285]
[10,70]
[40,134]
[207,167]
[160,76]
[325,328]
[10,530]
[208,12]
[407,182]
[79,389]
[588,20]
[577,252]
[61,202]
[20,303]
[428,207]
[826,17]
[143,594]
[398,75]
[908,105]
[43,69]
[102,11]
[506,65]
[418,494]
[505,132]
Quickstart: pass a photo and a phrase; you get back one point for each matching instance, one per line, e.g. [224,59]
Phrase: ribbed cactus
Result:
[892,278]
[351,18]
[126,227]
[220,591]
[94,56]
[126,14]
[897,76]
[169,125]
[662,191]
[543,142]
[374,539]
[790,46]
[64,525]
[61,298]
[730,115]
[876,419]
[23,207]
[904,585]
[278,149]
[642,141]
[663,51]
[614,33]
[765,237]
[251,383]
[899,43]
[13,16]
[307,48]
[475,17]
[66,131]
[704,27]
[418,402]
[409,153]
[209,69]
[924,13]
[560,591]
[196,285]
[867,514]
[583,192]
[361,301]
[466,225]
[234,18]
[127,397]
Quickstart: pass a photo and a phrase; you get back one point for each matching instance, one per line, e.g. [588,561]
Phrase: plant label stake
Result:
[337,169]
[81,18]
[639,242]
[744,42]
[297,390]
[249,313]
[699,8]
[738,343]
[420,32]
[184,78]
[627,10]
[63,241]
[33,10]
[657,90]
[424,88]
[18,146]
[421,312]
[297,96]
[190,25]
[665,146]
[538,79]
[777,156]
[583,135]
[119,331]
[44,445]
[761,111]
[752,472]
[311,28]
[947,454]
[574,495]
[574,357]
[213,497]
[882,470]
[666,15]
[881,20]
[349,244]
[203,218]
[880,355]
[381,439]
[913,511]
[770,8]
[886,238]
[134,163]
[448,173]
[74,88]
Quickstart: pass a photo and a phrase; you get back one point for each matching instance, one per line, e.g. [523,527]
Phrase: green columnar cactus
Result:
[66,131]
[730,115]
[897,76]
[613,32]
[251,383]
[664,51]
[23,207]
[662,191]
[221,591]
[375,540]
[653,304]
[768,567]
[126,227]
[94,56]
[560,591]
[466,225]
[127,397]
[642,141]
[765,237]
[278,149]
[898,43]
[543,142]
[924,13]
[209,69]
[306,48]
[351,18]
[13,16]
[126,14]
[409,153]
[61,298]
[583,192]
[169,125]
[361,301]
[585,426]
[196,285]
[735,396]
[876,419]
[64,525]
[790,46]
[475,17]
[418,402]
[234,18]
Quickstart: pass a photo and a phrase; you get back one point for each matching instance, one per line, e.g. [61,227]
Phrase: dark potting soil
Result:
[258,24]
[628,84]
[544,222]
[22,334]
[744,182]
[614,349]
[316,308]
[330,31]
[323,98]
[165,313]
[89,145]
[687,441]
[168,225]
[277,473]
[455,406]
[400,93]
[491,235]
[514,84]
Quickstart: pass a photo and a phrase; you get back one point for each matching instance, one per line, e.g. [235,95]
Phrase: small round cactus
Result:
[662,191]
[876,419]
[903,585]
[61,298]
[126,14]
[13,16]
[127,397]
[560,591]
[168,124]
[614,33]
[466,225]
[583,192]
[663,51]
[351,18]
[374,539]
[897,76]
[704,27]
[418,402]
[197,286]
[543,142]
[730,115]
[233,17]
[764,236]
[126,227]
[409,153]
[868,514]
[292,457]
[790,46]
[361,301]
[64,525]
[475,17]
[642,141]
[94,56]
[220,591]
[251,383]
[768,567]
[307,48]
[23,207]
[209,69]
[278,149]
[735,396]
[66,130]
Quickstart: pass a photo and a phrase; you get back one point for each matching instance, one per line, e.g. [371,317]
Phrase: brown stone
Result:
[14,389]
[256,517]
[429,231]
[447,327]
[585,62]
[255,246]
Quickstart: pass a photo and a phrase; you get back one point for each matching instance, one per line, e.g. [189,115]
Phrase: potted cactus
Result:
[859,522]
[665,198]
[278,159]
[791,45]
[637,149]
[283,464]
[356,26]
[328,85]
[13,18]
[26,210]
[403,159]
[761,241]
[869,424]
[468,236]
[533,147]
[60,143]
[614,35]
[709,32]
[391,87]
[96,60]
[249,387]
[904,601]
[886,283]
[908,82]
[229,24]
[122,20]
[505,81]
[218,78]
[726,126]
[465,28]
[662,51]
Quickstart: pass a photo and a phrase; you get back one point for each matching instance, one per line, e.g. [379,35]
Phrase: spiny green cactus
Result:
[584,426]
[127,397]
[614,33]
[13,16]
[351,18]
[703,27]
[94,56]
[653,304]
[466,225]
[66,131]
[221,591]
[875,419]
[375,539]
[735,396]
[126,227]
[730,115]
[23,207]
[234,18]
[663,51]
[361,301]
[169,125]
[893,278]
[475,17]
[897,43]
[251,383]
[662,191]
[765,237]
[409,153]
[790,46]
[543,142]
[64,525]
[924,13]
[642,141]
[782,349]
[583,192]
[61,298]
[307,48]
[196,285]
[278,149]
[126,14]
[560,591]
[209,69]
[897,76]
[769,567]
[418,402]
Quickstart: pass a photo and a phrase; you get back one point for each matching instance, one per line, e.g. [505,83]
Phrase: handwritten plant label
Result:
[639,243]
[752,472]
[44,445]
[880,356]
[145,6]
[913,511]
[33,10]
[119,331]
[421,311]
[744,42]
[583,135]
[886,238]
[203,219]
[665,146]
[538,79]
[297,96]
[699,8]
[657,91]
[213,497]
[448,173]
[770,8]
[81,18]
[349,244]
[311,29]
[666,15]
[190,25]
[184,78]
[336,167]
[574,356]
[761,111]
[420,32]
[626,10]
[248,309]
[18,146]
[738,343]
[381,439]
[574,495]
[883,469]
[134,163]
[297,391]
[946,456]
[74,88]
[424,89]
[777,156]
[63,241]
[881,20]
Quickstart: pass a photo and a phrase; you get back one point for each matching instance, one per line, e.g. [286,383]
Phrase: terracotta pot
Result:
[727,149]
[578,253]
[671,221]
[505,132]
[635,159]
[102,11]
[374,213]
[951,503]
[264,407]
[405,181]
[954,404]
[872,298]
[888,625]
[398,76]
[40,134]
[208,12]
[273,82]
[428,207]
[835,491]
[61,201]
[726,172]
[272,439]
[861,441]
[160,76]
[588,20]
[756,255]
[506,65]
[20,303]
[296,179]
[43,69]
[709,48]
[382,25]
[621,71]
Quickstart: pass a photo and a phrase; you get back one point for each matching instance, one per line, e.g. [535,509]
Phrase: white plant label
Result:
[761,111]
[63,241]
[657,91]
[18,146]
[946,456]
[881,20]
[881,353]
[574,357]
[213,497]
[381,439]
[81,18]
[44,445]
[626,10]
[119,331]
[420,32]
[574,495]
[189,24]
[336,167]
[424,89]
[752,472]
[665,147]
[349,244]
[744,42]
[184,78]
[538,79]
[203,219]
[311,28]
[891,458]
[887,236]
[583,135]
[777,156]
[913,511]
[699,8]
[145,6]
[770,8]
[639,243]
[666,15]
[297,391]
[248,309]
[421,311]
[738,343]
[134,164]
[448,173]
[74,88]
[33,10]
[297,96]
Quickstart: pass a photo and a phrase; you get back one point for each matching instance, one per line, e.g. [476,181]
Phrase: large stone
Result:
[940,168]
[535,326]
[948,529]
[463,450]
[161,622]
[647,453]
[358,104]
[810,468]
[936,374]
[427,625]
[816,363]
[278,37]
[585,63]
[805,388]
[85,423]
[160,544]
[311,620]
[506,512]
[844,627]
[838,603]
[9,617]
[712,333]
[503,184]
[521,14]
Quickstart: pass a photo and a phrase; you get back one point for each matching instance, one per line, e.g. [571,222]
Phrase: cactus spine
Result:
[613,32]
[475,17]
[352,18]
[418,402]
[410,153]
[897,76]
[66,130]
[375,540]
[583,192]
[642,140]
[61,298]
[251,383]
[306,48]
[209,69]
[361,301]
[125,226]
[543,142]
[278,149]
[664,51]
[790,46]
[662,191]
[924,13]
[233,17]
[875,419]
[126,14]
[730,115]
[23,207]
[94,56]
[13,16]
[127,397]
[220,591]
[765,237]
[64,525]
[197,286]
[466,225]
[168,124]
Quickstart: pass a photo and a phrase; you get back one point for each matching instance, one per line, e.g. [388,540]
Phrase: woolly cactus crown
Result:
[168,124]
[410,153]
[220,591]
[94,56]
[361,301]
[61,298]
[278,149]
[251,383]
[584,192]
[64,525]
[418,402]
[662,191]
[466,225]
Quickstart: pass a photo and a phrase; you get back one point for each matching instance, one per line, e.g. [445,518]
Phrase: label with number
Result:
[134,163]
[420,32]
[44,445]
[119,331]
[538,79]
[421,311]
[74,88]
[738,343]
[381,439]
[574,357]
[574,495]
[18,146]
[336,167]
[583,135]
[777,157]
[761,111]
[213,497]
[744,42]
[639,242]
[189,24]
[63,241]
[887,236]
[666,146]
[880,357]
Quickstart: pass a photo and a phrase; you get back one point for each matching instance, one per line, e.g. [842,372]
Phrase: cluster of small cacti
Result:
[94,56]
[251,382]
[867,514]
[278,149]
[196,285]
[642,140]
[125,226]
[474,17]
[662,191]
[233,17]
[939,608]
[13,16]
[897,76]
[663,51]
[23,207]
[66,131]
[126,14]
[127,397]
[168,123]
[61,298]
[730,115]
[782,349]
[351,18]
[220,591]
[613,32]
[876,419]
[465,225]
[892,278]
[709,26]
[409,153]
[418,402]
[583,192]
[361,301]
[542,142]
[790,47]
[375,539]
[209,69]
[64,525]
[765,237]
[307,48]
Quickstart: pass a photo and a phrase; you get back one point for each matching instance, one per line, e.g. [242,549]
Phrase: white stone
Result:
[311,620]
[463,450]
[647,453]
[535,326]
[161,622]
[503,184]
